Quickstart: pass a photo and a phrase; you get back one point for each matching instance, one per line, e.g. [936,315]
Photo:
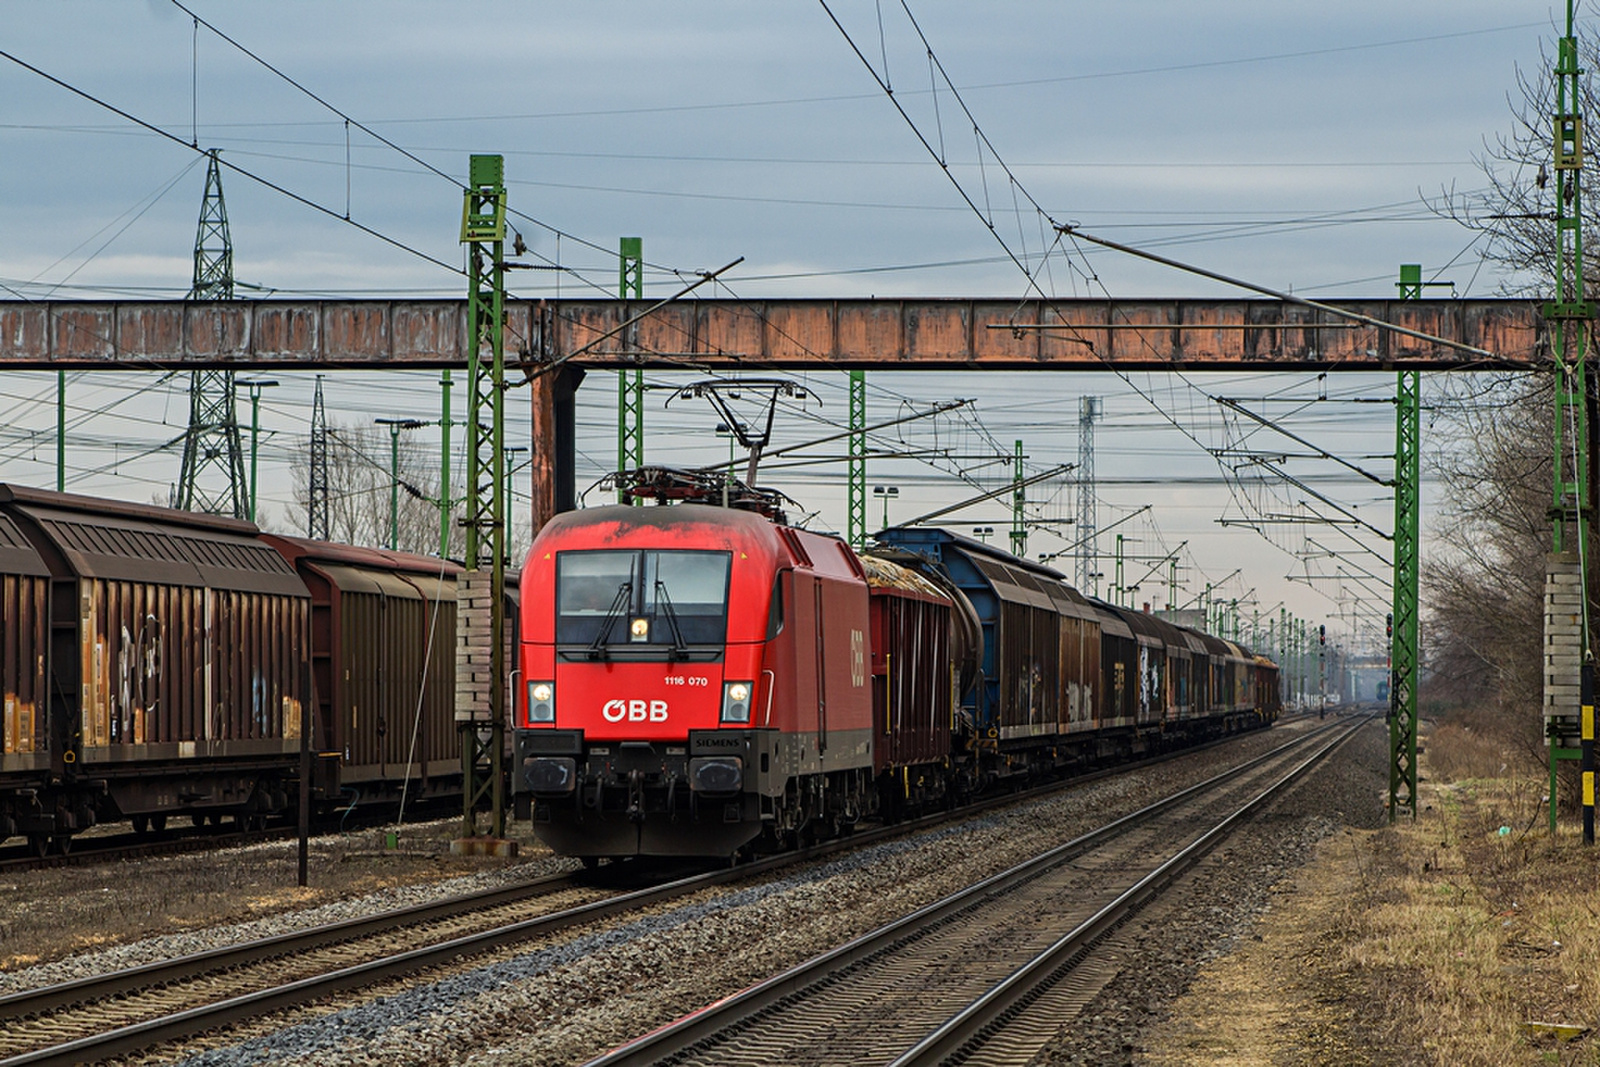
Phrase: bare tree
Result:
[360,487]
[1484,581]
[1516,209]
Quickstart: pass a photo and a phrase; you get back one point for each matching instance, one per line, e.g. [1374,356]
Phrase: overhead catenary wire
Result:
[234,167]
[1031,275]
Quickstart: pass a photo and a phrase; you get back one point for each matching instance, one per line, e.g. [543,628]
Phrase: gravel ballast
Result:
[569,999]
[1221,901]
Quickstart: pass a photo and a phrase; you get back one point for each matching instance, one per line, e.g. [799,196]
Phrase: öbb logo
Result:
[635,710]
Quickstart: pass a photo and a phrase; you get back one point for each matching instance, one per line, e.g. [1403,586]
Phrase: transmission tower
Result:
[317,490]
[212,478]
[1088,551]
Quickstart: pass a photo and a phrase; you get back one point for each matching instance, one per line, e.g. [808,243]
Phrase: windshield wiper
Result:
[680,649]
[597,649]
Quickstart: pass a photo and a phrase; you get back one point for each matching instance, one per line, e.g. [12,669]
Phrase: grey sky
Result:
[1285,143]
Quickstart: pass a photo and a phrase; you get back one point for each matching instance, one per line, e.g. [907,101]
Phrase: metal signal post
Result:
[1587,746]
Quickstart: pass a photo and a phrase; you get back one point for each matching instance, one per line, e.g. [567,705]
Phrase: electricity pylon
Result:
[212,478]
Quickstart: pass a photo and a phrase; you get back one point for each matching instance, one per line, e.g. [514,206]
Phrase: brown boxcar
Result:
[177,651]
[1152,636]
[913,671]
[384,660]
[24,637]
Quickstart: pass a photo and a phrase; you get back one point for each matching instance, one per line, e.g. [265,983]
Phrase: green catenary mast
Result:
[856,482]
[1403,640]
[1568,313]
[630,383]
[1019,507]
[482,720]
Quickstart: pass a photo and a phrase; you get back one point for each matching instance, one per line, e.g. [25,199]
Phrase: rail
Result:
[180,1025]
[678,1040]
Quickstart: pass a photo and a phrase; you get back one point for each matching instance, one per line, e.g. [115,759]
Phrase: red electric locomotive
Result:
[689,678]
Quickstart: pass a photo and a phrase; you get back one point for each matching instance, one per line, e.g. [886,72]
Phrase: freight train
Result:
[699,680]
[157,664]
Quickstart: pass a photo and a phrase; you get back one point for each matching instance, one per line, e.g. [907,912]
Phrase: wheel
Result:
[590,862]
[197,820]
[158,823]
[63,844]
[39,845]
[141,824]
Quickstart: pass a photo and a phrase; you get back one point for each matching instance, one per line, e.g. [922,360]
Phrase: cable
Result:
[148,201]
[986,217]
[268,183]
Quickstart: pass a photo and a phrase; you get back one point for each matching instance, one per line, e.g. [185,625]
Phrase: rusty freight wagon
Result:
[177,648]
[1042,700]
[919,644]
[384,659]
[24,641]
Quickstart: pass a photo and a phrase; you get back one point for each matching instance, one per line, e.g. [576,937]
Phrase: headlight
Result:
[541,702]
[639,629]
[736,702]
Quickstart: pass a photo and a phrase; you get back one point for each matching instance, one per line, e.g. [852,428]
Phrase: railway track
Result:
[95,847]
[124,1011]
[113,847]
[110,844]
[987,974]
[129,1011]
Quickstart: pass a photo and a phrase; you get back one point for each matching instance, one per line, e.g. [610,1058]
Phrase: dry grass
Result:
[1472,744]
[1431,942]
[1474,921]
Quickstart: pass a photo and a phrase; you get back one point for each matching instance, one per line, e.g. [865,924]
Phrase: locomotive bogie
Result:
[717,792]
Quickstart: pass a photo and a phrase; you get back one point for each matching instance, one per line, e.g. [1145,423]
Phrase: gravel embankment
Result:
[67,922]
[568,1000]
[1220,903]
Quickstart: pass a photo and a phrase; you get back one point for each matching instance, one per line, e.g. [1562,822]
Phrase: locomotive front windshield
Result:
[655,599]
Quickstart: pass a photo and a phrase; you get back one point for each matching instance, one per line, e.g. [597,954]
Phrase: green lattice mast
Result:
[1407,527]
[482,722]
[856,487]
[630,383]
[1568,314]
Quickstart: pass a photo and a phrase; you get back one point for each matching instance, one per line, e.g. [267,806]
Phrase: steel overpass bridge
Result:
[722,335]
